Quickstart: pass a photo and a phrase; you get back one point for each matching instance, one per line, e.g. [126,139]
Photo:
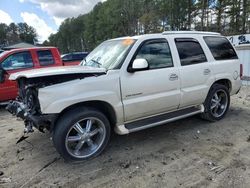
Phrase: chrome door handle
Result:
[206,71]
[173,77]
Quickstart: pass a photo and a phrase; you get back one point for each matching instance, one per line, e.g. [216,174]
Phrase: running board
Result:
[159,120]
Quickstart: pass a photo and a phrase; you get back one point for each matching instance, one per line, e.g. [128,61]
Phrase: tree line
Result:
[14,33]
[114,18]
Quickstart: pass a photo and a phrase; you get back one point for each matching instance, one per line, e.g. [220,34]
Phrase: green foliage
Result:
[26,33]
[14,33]
[116,18]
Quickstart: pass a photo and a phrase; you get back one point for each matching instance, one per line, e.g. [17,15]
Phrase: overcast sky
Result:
[44,15]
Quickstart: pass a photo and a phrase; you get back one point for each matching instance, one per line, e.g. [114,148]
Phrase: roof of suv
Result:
[190,33]
[172,33]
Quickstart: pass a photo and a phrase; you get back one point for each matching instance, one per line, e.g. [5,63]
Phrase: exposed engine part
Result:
[27,107]
[31,118]
[28,88]
[40,82]
[17,108]
[28,127]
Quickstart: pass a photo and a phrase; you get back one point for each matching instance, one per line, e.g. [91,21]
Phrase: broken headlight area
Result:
[27,107]
[39,121]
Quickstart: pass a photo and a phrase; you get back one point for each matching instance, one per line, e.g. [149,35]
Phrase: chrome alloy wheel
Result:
[219,103]
[85,137]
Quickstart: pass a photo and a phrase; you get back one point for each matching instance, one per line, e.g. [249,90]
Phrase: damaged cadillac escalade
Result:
[128,84]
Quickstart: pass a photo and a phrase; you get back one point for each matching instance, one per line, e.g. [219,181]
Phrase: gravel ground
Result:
[186,153]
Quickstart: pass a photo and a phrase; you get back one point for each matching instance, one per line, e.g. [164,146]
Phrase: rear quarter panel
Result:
[228,69]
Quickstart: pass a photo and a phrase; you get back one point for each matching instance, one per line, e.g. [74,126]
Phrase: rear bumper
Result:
[39,121]
[236,86]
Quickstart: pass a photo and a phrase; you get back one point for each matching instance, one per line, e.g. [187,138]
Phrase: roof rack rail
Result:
[190,32]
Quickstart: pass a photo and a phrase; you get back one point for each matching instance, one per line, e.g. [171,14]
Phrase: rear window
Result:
[190,51]
[221,48]
[45,57]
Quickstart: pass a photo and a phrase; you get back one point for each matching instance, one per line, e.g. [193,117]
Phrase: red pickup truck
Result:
[17,60]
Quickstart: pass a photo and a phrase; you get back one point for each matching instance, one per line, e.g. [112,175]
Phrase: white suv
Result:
[129,84]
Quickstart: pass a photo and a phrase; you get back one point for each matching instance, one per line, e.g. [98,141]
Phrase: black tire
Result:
[66,126]
[208,113]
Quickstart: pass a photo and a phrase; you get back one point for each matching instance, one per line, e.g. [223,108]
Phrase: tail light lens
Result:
[241,71]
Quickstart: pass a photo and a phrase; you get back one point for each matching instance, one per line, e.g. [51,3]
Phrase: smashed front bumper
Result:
[39,121]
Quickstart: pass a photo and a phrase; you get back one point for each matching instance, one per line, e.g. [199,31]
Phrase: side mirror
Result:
[2,73]
[139,65]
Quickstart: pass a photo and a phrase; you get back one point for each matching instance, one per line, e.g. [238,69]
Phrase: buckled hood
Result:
[53,71]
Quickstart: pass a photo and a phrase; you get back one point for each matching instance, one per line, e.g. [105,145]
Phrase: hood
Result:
[52,71]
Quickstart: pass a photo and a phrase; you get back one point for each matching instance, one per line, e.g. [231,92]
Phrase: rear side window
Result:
[220,48]
[45,57]
[190,51]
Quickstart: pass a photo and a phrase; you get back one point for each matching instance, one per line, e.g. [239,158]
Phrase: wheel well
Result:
[102,106]
[226,83]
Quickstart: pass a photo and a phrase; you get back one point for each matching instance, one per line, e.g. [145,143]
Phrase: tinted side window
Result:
[78,57]
[18,61]
[190,51]
[220,48]
[45,57]
[157,53]
[67,57]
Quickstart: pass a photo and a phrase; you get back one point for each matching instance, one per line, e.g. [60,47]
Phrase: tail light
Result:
[241,71]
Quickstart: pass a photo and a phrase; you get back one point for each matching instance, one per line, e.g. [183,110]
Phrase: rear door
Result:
[155,90]
[14,63]
[195,72]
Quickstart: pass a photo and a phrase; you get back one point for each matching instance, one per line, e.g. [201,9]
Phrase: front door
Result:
[155,90]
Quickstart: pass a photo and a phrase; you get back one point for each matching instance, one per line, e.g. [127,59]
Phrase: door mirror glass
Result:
[139,65]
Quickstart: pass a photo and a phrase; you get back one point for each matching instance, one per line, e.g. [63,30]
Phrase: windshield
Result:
[109,54]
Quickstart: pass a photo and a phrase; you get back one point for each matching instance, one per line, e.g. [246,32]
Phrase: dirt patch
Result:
[186,153]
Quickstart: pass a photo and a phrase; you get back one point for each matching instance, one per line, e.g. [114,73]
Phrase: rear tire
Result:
[81,134]
[217,103]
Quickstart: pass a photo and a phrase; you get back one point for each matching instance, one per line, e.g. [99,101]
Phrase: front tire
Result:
[81,134]
[217,103]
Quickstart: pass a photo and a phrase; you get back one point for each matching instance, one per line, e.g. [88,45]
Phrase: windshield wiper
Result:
[85,63]
[96,62]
